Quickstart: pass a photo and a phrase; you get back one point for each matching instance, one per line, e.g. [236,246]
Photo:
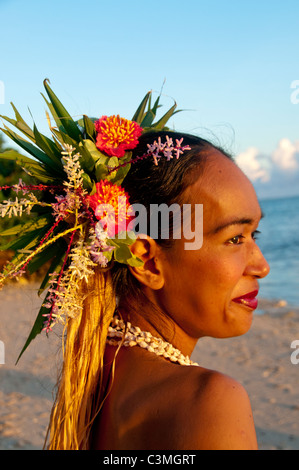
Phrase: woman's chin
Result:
[239,321]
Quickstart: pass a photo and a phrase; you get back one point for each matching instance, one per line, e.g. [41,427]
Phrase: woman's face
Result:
[211,291]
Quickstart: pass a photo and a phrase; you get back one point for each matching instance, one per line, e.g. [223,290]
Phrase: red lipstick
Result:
[248,300]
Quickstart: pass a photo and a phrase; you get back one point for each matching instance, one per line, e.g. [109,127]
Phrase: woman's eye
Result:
[237,240]
[255,234]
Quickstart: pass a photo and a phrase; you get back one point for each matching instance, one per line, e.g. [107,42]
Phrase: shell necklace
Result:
[133,336]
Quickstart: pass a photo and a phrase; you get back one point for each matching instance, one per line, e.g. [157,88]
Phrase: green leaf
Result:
[94,152]
[164,119]
[118,176]
[87,183]
[26,241]
[49,147]
[12,264]
[89,127]
[32,150]
[126,238]
[156,105]
[15,155]
[32,167]
[23,228]
[36,329]
[122,253]
[63,138]
[86,160]
[39,322]
[151,114]
[54,115]
[42,258]
[80,122]
[108,255]
[113,162]
[56,264]
[20,124]
[40,174]
[93,158]
[22,127]
[101,171]
[121,165]
[134,261]
[148,119]
[65,118]
[139,114]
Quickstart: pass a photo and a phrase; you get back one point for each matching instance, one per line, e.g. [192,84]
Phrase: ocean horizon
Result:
[279,242]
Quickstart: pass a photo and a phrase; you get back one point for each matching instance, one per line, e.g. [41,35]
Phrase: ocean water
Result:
[279,242]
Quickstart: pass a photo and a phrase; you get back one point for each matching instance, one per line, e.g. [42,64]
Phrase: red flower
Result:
[111,206]
[115,135]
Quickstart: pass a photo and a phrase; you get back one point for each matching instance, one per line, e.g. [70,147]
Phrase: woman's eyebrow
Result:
[225,225]
[238,221]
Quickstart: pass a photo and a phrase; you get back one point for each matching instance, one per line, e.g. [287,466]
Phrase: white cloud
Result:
[276,174]
[251,163]
[286,155]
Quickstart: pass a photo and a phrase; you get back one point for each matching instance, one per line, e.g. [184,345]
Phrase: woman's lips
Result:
[249,300]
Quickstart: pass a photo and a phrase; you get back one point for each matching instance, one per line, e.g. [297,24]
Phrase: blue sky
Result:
[230,64]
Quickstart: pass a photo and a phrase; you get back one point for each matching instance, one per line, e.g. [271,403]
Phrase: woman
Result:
[134,316]
[179,295]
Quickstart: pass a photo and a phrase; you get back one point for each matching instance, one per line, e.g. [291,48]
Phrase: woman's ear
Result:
[151,272]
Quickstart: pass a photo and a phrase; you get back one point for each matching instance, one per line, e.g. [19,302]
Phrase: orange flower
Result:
[115,135]
[111,206]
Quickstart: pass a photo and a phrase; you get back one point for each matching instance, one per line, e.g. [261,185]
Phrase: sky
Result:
[232,66]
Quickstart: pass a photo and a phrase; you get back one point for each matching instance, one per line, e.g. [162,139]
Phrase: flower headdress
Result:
[83,215]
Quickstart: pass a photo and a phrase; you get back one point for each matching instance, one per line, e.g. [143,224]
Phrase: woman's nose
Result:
[257,264]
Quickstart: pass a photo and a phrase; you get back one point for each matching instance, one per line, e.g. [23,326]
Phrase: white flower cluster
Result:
[17,207]
[70,202]
[64,299]
[72,168]
[81,265]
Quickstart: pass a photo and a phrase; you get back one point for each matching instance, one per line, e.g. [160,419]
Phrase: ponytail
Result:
[79,394]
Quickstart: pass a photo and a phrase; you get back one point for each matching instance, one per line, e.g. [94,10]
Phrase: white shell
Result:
[133,336]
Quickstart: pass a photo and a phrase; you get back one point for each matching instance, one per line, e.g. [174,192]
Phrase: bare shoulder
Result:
[165,406]
[220,413]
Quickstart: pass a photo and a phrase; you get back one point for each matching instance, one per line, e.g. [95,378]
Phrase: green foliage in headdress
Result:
[43,162]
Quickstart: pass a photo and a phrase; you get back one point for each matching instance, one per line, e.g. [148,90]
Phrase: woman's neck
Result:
[148,316]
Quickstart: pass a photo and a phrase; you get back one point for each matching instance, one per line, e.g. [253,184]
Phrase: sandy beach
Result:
[260,360]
